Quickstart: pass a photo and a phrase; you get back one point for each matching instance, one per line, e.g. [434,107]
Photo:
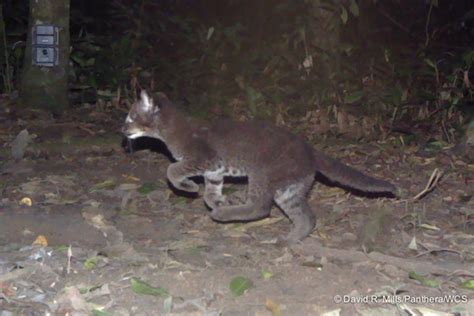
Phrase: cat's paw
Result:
[187,186]
[215,202]
[235,200]
[218,215]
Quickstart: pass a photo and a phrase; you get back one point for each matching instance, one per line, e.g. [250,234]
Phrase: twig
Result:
[7,77]
[85,129]
[69,256]
[432,182]
[429,251]
[427,35]
[395,22]
[445,131]
[406,264]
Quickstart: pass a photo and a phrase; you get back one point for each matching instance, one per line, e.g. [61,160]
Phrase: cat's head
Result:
[145,117]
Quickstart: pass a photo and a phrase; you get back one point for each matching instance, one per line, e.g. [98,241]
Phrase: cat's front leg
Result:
[213,191]
[178,174]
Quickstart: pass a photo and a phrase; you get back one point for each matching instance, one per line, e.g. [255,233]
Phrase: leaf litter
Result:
[76,271]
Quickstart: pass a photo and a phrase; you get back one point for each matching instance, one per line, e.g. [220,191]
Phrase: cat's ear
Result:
[162,99]
[145,101]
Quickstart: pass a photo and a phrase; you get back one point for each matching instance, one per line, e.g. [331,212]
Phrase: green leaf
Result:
[354,96]
[78,59]
[168,305]
[209,33]
[469,284]
[468,58]
[267,274]
[431,63]
[387,54]
[61,248]
[98,312]
[141,287]
[435,145]
[91,263]
[424,280]
[83,62]
[181,200]
[147,188]
[239,285]
[354,8]
[254,97]
[344,15]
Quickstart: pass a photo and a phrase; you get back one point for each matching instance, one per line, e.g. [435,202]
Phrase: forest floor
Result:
[86,228]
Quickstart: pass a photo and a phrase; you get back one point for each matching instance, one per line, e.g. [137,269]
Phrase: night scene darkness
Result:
[237,157]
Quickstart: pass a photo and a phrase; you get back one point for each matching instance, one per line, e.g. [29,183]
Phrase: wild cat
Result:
[280,165]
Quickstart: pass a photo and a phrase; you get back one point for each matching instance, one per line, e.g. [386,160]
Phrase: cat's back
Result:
[253,133]
[259,143]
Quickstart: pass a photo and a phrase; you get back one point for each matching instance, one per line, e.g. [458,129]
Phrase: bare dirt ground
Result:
[86,228]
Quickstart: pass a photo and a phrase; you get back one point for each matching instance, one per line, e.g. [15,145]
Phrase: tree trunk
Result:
[43,86]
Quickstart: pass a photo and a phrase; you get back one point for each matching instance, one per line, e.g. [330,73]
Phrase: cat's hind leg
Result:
[258,205]
[292,200]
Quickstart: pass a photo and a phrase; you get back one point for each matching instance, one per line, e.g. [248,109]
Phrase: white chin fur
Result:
[136,135]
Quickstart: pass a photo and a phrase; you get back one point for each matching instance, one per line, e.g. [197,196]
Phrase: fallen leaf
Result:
[168,304]
[130,177]
[71,301]
[128,186]
[6,289]
[40,241]
[430,227]
[239,285]
[469,284]
[413,245]
[147,188]
[98,312]
[26,201]
[141,287]
[354,96]
[104,185]
[273,307]
[267,274]
[91,263]
[424,280]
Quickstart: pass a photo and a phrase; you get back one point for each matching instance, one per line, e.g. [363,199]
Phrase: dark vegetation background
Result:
[401,63]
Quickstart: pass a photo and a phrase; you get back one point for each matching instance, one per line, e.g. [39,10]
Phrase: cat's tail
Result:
[344,175]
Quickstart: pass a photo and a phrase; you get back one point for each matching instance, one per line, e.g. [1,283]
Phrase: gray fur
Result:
[280,165]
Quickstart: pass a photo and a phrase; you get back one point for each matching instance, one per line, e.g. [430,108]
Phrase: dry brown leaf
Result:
[41,240]
[26,201]
[273,307]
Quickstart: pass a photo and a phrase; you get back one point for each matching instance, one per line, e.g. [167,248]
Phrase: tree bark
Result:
[47,87]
